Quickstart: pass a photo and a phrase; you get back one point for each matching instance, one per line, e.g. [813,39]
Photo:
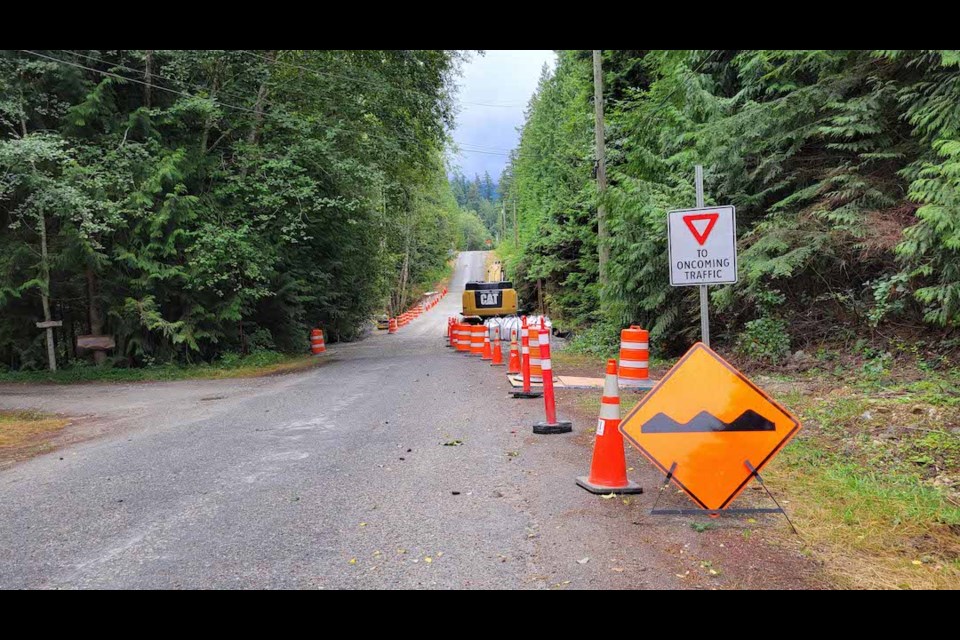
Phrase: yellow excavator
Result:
[493,298]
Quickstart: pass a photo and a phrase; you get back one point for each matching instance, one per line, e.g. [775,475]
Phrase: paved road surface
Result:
[333,478]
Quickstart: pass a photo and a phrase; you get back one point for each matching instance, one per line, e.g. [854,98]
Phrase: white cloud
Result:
[499,77]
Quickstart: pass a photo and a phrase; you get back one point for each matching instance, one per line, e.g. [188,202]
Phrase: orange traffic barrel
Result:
[536,373]
[392,327]
[316,342]
[634,354]
[463,344]
[477,333]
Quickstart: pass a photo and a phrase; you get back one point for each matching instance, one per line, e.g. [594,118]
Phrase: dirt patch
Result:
[24,434]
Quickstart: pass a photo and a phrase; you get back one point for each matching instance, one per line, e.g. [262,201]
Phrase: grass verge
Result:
[872,481]
[251,366]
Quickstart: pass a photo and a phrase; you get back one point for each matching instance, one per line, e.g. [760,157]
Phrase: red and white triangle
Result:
[700,225]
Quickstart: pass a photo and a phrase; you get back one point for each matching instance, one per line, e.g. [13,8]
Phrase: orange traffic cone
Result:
[513,366]
[487,353]
[497,349]
[608,472]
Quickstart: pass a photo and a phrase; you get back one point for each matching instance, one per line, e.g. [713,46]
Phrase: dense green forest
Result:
[844,167]
[193,203]
[480,197]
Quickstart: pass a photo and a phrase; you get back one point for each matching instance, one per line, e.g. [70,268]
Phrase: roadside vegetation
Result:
[194,204]
[872,480]
[230,365]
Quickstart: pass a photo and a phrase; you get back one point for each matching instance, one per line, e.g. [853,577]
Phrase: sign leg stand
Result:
[767,489]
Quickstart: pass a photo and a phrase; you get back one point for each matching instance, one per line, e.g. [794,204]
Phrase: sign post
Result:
[703,249]
[704,299]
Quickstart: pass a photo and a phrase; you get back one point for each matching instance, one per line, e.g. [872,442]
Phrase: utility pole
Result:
[603,247]
[503,222]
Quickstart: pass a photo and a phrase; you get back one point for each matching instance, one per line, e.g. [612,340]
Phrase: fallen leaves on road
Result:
[453,443]
[583,560]
[609,496]
[352,561]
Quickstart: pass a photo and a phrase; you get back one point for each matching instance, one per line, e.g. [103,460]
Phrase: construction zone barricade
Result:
[317,345]
[608,469]
[551,425]
[393,326]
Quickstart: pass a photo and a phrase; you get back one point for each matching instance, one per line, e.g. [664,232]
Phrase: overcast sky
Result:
[485,134]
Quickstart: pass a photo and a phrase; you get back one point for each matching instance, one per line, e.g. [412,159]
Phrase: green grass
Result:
[873,529]
[231,366]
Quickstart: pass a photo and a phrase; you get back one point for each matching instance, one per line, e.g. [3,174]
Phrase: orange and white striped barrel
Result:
[463,343]
[477,334]
[392,326]
[536,372]
[634,354]
[316,342]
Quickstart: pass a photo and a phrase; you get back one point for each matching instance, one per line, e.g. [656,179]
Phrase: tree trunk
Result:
[96,320]
[147,78]
[260,104]
[208,122]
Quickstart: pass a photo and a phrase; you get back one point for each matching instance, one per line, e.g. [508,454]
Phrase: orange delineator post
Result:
[551,425]
[477,332]
[526,392]
[608,470]
[449,332]
[497,349]
[513,365]
[634,354]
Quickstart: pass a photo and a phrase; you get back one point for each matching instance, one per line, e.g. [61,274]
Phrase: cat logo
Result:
[488,299]
[709,424]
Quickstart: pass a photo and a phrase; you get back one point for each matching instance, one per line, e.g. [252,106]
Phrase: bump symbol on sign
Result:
[702,230]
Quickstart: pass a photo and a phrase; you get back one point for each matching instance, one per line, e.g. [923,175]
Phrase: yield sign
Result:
[701,231]
[710,421]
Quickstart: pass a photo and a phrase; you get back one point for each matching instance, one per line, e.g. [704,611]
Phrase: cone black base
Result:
[561,426]
[527,394]
[632,487]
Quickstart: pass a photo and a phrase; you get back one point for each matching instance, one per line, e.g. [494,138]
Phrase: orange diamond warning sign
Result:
[712,423]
